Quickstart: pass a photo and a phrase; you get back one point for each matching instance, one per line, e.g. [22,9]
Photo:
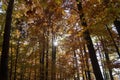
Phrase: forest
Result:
[59,39]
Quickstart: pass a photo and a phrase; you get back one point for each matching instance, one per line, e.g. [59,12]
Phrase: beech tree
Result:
[6,39]
[90,47]
[61,40]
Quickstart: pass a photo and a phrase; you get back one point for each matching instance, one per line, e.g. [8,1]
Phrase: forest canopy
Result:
[59,39]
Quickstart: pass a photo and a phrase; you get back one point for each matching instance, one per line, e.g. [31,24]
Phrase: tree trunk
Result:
[76,63]
[101,59]
[92,54]
[53,66]
[84,77]
[6,39]
[35,62]
[87,64]
[21,73]
[117,25]
[47,47]
[29,77]
[116,47]
[11,63]
[107,59]
[16,59]
[42,58]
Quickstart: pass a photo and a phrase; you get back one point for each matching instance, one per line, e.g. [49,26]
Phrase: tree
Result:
[6,39]
[80,31]
[86,35]
[117,25]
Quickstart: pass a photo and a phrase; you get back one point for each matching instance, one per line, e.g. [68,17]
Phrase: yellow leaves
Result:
[58,12]
[58,1]
[99,1]
[70,32]
[79,34]
[63,12]
[4,6]
[72,19]
[78,1]
[17,33]
[18,15]
[44,4]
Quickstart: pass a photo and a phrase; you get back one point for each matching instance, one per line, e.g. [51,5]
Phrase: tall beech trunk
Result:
[42,60]
[76,63]
[29,74]
[117,25]
[101,59]
[84,77]
[21,73]
[60,69]
[47,50]
[16,59]
[116,47]
[87,64]
[53,66]
[92,54]
[5,45]
[107,58]
[83,54]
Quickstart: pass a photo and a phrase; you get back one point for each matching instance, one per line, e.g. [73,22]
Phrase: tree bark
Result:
[35,70]
[117,25]
[47,50]
[92,54]
[16,59]
[116,47]
[76,63]
[87,64]
[42,60]
[107,58]
[6,39]
[53,66]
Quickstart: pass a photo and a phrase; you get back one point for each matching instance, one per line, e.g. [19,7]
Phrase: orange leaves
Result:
[58,2]
[96,11]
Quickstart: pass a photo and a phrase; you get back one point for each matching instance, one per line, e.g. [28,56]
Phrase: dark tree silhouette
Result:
[91,50]
[117,25]
[5,45]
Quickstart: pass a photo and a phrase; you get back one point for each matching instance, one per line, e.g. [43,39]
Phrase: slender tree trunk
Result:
[107,59]
[29,77]
[42,58]
[74,76]
[102,59]
[87,64]
[22,69]
[35,75]
[16,59]
[83,63]
[60,69]
[53,66]
[21,73]
[35,71]
[30,70]
[84,66]
[47,59]
[116,47]
[11,63]
[117,25]
[6,39]
[92,54]
[76,63]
